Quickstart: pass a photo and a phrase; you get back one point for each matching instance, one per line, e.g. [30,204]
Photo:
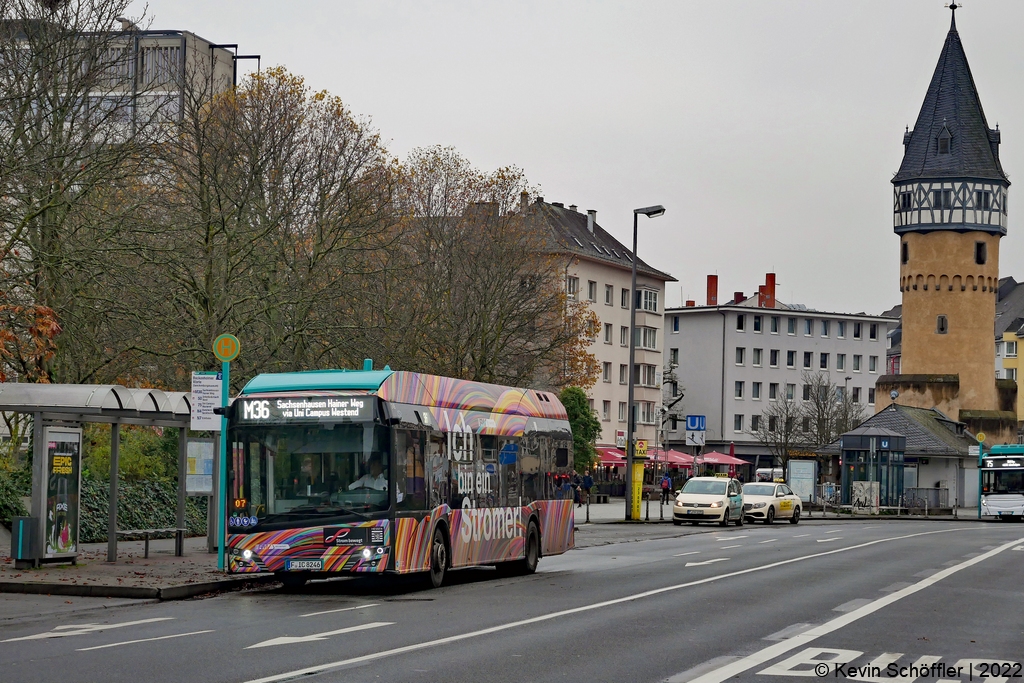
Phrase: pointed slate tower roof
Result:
[952,103]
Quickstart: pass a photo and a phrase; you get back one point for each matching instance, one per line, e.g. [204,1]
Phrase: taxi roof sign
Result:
[226,348]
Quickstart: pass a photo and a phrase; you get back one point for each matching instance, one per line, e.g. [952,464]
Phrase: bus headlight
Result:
[366,553]
[247,555]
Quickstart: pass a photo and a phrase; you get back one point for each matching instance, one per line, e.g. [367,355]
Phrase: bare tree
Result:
[829,410]
[778,429]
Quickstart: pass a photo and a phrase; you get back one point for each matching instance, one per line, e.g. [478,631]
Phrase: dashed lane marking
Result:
[829,540]
[291,640]
[706,562]
[143,640]
[692,552]
[834,531]
[770,540]
[726,547]
[801,535]
[340,609]
[82,629]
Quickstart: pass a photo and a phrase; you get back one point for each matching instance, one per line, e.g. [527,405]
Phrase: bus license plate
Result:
[316,565]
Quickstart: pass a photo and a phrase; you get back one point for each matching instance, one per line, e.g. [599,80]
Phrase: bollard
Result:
[647,516]
[588,506]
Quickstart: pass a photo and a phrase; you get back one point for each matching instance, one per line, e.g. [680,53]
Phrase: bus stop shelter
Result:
[55,406]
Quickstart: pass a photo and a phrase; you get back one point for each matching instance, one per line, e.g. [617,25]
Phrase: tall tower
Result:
[949,209]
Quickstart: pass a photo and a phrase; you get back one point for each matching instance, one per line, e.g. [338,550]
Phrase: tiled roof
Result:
[951,102]
[569,231]
[928,432]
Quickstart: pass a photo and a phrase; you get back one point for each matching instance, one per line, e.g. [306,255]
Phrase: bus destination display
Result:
[305,409]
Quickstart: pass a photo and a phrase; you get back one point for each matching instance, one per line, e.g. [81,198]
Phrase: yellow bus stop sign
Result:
[980,437]
[226,348]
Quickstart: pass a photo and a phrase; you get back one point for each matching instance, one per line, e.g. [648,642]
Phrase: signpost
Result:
[696,429]
[637,477]
[981,452]
[206,395]
[225,348]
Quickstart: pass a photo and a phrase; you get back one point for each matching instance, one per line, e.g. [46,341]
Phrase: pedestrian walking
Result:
[666,488]
[588,484]
[577,485]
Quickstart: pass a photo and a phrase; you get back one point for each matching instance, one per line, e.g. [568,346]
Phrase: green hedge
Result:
[10,498]
[140,505]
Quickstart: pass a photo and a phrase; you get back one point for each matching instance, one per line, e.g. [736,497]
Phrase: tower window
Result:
[904,253]
[942,199]
[980,253]
[941,325]
[983,200]
[906,201]
[943,145]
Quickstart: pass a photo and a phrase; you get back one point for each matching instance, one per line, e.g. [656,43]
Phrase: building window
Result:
[608,327]
[856,330]
[942,199]
[790,359]
[775,324]
[871,396]
[823,361]
[941,325]
[590,402]
[807,392]
[675,389]
[675,323]
[647,300]
[737,423]
[944,145]
[980,253]
[755,422]
[872,363]
[592,291]
[622,373]
[805,425]
[673,356]
[791,326]
[1011,349]
[1011,373]
[755,391]
[855,396]
[674,420]
[649,375]
[773,391]
[824,328]
[757,323]
[856,362]
[606,410]
[738,390]
[841,329]
[873,332]
[808,360]
[622,411]
[740,351]
[905,253]
[756,360]
[609,295]
[906,201]
[773,358]
[741,321]
[840,361]
[647,338]
[623,336]
[572,287]
[808,327]
[790,392]
[606,372]
[773,423]
[647,412]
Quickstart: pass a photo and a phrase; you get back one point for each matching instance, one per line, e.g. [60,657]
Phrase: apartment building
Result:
[598,269]
[727,362]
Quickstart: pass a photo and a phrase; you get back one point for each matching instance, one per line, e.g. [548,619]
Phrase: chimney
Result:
[712,290]
[737,297]
[760,296]
[769,290]
[573,207]
[524,202]
[690,303]
[591,219]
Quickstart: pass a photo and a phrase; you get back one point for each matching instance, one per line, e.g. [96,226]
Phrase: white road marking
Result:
[143,640]
[291,640]
[771,652]
[726,547]
[692,552]
[82,629]
[706,562]
[729,538]
[770,540]
[1020,547]
[834,531]
[852,605]
[801,535]
[376,656]
[829,540]
[342,609]
[788,632]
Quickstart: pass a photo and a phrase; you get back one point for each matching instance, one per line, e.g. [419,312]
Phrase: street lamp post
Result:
[650,212]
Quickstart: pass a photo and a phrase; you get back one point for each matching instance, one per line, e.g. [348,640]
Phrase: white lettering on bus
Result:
[489,523]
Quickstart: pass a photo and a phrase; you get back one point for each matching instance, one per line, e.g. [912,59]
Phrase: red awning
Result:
[716,458]
[669,457]
[611,457]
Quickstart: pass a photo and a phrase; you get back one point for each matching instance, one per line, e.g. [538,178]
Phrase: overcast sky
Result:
[769,130]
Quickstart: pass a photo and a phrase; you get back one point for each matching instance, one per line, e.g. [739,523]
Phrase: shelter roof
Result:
[97,403]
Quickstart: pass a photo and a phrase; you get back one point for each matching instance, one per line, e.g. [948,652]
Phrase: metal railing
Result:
[922,498]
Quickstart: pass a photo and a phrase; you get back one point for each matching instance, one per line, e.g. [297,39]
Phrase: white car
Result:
[767,501]
[709,499]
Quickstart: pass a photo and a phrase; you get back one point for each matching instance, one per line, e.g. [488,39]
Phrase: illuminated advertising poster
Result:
[63,480]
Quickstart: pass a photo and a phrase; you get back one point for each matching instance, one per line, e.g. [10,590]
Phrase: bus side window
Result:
[508,471]
[409,475]
[438,469]
[529,469]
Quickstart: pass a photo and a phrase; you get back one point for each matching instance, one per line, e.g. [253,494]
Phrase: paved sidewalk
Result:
[162,576]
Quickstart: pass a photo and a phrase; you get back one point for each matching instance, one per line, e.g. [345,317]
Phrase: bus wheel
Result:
[529,563]
[438,558]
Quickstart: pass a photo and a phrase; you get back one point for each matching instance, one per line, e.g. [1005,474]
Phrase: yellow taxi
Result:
[765,501]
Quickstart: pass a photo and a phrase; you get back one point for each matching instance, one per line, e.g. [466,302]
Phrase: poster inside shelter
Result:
[63,471]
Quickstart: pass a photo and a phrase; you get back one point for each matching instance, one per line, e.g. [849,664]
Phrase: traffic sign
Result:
[640,449]
[974,451]
[980,437]
[696,423]
[226,348]
[695,438]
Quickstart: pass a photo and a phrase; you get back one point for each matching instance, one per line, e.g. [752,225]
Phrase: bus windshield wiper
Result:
[308,510]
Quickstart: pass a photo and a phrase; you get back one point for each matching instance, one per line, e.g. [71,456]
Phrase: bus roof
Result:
[1008,449]
[415,388]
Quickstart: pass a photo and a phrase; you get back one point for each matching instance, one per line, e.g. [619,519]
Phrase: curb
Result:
[179,592]
[807,518]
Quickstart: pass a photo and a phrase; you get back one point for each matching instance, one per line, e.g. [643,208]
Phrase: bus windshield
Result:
[1002,482]
[299,473]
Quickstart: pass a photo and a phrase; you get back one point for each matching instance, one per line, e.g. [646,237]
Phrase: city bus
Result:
[378,471]
[1002,482]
